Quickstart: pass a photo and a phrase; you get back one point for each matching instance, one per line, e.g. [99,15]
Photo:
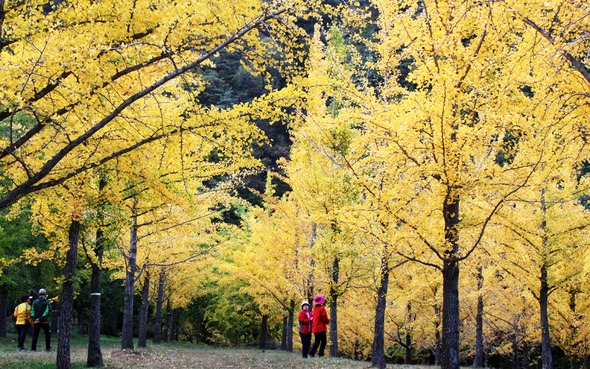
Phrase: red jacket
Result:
[305,322]
[320,319]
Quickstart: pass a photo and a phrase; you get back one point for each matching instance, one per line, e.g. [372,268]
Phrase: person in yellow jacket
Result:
[22,313]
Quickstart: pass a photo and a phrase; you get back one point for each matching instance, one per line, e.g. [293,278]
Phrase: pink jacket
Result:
[305,322]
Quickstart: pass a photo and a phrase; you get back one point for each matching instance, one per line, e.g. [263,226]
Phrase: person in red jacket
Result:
[319,329]
[305,320]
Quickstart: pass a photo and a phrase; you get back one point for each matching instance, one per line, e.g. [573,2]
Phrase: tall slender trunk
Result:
[478,357]
[157,339]
[263,331]
[67,299]
[167,325]
[408,347]
[94,355]
[290,323]
[378,357]
[450,274]
[545,337]
[437,338]
[334,308]
[284,333]
[172,329]
[143,317]
[544,297]
[515,359]
[127,329]
[3,311]
[81,322]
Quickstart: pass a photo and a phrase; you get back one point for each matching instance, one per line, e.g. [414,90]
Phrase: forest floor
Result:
[168,355]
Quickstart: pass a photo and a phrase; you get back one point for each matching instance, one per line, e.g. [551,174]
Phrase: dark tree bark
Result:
[94,356]
[450,273]
[545,337]
[172,329]
[334,308]
[143,318]
[3,311]
[167,325]
[263,331]
[544,299]
[290,322]
[54,316]
[81,321]
[157,339]
[408,347]
[127,329]
[378,356]
[478,357]
[284,333]
[63,360]
[515,359]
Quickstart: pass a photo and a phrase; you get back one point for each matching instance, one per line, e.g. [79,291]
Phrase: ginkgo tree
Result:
[78,70]
[435,131]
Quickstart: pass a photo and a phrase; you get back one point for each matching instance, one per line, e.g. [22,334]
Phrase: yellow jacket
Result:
[23,312]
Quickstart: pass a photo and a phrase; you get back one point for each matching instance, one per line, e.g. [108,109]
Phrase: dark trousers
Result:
[305,343]
[21,329]
[36,329]
[319,340]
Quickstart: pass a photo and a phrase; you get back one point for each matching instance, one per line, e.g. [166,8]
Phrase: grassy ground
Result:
[172,355]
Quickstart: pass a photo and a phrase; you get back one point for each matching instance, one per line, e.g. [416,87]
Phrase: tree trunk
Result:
[157,339]
[545,337]
[290,326]
[167,325]
[378,356]
[437,337]
[3,311]
[544,298]
[94,356]
[450,274]
[263,331]
[67,299]
[80,321]
[478,357]
[127,329]
[515,358]
[284,333]
[172,329]
[334,308]
[408,347]
[143,317]
[54,317]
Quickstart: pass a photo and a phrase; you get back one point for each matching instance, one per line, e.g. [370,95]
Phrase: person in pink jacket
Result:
[319,329]
[305,320]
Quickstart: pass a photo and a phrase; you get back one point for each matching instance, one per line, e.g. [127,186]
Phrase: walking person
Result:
[40,314]
[305,323]
[22,313]
[319,328]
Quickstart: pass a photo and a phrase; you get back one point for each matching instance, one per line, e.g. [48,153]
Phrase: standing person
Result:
[22,313]
[305,319]
[319,329]
[40,313]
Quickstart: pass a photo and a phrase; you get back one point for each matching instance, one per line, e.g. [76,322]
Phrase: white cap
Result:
[42,292]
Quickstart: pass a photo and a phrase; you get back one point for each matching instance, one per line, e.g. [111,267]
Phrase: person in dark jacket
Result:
[40,313]
[305,320]
[319,329]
